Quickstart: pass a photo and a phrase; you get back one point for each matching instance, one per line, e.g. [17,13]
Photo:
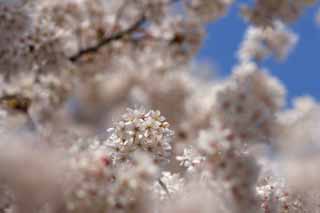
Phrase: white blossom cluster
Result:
[190,159]
[264,12]
[208,10]
[248,102]
[236,171]
[70,70]
[260,43]
[139,130]
[94,183]
[173,184]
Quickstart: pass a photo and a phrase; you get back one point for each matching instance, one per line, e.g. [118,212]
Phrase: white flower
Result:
[214,140]
[260,42]
[208,10]
[265,12]
[190,159]
[138,130]
[249,101]
[169,186]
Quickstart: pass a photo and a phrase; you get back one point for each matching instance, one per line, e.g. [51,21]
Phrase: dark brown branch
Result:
[114,37]
[165,188]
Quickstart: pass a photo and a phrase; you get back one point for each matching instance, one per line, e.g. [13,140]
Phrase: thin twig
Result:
[165,188]
[108,40]
[113,37]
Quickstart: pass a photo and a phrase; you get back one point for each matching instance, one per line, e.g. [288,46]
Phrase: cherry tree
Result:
[104,109]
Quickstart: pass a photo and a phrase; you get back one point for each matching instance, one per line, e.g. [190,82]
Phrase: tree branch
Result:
[108,40]
[113,37]
[165,188]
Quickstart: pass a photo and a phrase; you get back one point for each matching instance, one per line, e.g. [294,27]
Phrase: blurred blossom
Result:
[103,109]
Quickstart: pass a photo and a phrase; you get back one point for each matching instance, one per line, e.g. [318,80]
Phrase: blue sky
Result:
[300,73]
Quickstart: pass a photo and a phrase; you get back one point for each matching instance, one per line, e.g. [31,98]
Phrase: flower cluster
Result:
[208,10]
[265,12]
[140,130]
[68,71]
[190,159]
[237,171]
[248,102]
[259,42]
[168,185]
[95,184]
